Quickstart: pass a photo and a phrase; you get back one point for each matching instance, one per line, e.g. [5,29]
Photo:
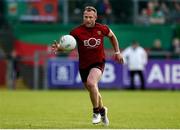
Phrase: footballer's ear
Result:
[95,15]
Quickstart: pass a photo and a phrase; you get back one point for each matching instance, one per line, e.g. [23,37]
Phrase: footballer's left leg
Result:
[94,100]
[102,109]
[92,86]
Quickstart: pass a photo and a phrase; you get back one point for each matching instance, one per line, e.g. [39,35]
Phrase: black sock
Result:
[96,110]
[102,111]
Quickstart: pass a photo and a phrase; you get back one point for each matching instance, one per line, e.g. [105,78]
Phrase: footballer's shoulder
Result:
[100,24]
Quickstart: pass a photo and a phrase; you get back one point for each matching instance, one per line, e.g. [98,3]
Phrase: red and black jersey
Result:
[90,42]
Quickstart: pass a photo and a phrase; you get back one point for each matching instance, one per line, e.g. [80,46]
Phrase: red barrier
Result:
[3,66]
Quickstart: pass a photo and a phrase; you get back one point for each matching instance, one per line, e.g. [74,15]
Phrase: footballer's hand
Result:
[55,47]
[119,58]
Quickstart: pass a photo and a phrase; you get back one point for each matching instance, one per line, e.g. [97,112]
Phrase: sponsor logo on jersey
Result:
[92,42]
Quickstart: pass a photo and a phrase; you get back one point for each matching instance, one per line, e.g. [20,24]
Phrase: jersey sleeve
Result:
[105,30]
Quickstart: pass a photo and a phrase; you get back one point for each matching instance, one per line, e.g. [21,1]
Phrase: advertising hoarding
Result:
[159,74]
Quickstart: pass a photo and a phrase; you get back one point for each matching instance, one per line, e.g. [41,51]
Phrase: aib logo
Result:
[92,42]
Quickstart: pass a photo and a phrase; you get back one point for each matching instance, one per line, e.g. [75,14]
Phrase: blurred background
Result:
[28,28]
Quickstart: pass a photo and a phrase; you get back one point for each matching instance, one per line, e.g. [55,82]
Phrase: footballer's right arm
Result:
[55,47]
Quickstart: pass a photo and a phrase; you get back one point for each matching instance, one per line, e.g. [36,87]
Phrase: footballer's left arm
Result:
[114,41]
[115,44]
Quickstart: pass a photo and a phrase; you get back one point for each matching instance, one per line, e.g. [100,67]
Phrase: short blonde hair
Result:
[90,8]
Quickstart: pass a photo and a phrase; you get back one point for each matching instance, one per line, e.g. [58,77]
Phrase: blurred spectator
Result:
[136,59]
[143,18]
[166,11]
[157,16]
[157,51]
[155,13]
[175,13]
[175,46]
[150,8]
[152,14]
[104,10]
[157,46]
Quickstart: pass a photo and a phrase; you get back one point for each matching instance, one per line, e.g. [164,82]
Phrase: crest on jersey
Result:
[99,32]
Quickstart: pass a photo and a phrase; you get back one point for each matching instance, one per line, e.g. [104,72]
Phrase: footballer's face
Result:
[89,18]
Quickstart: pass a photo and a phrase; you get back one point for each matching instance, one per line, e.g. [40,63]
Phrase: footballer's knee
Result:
[91,84]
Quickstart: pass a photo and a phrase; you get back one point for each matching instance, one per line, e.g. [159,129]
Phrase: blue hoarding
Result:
[64,73]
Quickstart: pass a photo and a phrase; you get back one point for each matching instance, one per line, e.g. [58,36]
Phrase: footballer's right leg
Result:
[104,115]
[100,101]
[103,112]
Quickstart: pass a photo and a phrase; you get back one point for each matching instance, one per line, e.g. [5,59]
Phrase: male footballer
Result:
[90,42]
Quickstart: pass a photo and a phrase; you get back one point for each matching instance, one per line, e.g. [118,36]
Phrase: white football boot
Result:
[104,118]
[96,118]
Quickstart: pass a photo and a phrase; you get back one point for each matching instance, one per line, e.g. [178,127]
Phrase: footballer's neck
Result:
[90,26]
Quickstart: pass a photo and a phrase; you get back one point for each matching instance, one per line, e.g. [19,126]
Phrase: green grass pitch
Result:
[72,109]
